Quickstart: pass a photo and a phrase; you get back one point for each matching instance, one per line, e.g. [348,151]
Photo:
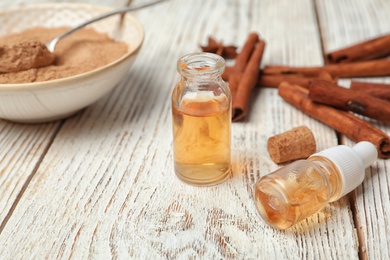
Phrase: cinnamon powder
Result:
[24,56]
[80,52]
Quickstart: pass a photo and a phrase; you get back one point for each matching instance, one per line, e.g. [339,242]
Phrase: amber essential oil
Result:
[300,189]
[296,192]
[201,138]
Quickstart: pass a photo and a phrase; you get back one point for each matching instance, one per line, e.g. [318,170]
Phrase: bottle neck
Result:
[201,66]
[332,174]
[210,77]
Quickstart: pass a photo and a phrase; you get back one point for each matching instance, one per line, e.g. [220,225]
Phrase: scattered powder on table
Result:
[80,52]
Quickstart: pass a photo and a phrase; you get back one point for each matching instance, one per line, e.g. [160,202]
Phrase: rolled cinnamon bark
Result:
[226,74]
[273,81]
[378,90]
[372,49]
[234,81]
[246,51]
[241,62]
[371,68]
[325,92]
[344,122]
[247,83]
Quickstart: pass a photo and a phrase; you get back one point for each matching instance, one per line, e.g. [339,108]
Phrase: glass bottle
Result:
[300,189]
[201,118]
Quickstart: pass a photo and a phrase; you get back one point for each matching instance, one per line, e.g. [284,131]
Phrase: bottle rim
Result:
[201,64]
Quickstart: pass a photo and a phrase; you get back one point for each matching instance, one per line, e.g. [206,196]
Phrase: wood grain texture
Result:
[105,188]
[22,149]
[341,25]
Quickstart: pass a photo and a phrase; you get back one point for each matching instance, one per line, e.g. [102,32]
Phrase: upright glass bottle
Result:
[201,117]
[296,191]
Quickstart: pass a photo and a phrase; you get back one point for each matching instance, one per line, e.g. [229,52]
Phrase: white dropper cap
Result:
[351,163]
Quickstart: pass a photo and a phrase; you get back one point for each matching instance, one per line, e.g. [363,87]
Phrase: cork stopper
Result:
[297,143]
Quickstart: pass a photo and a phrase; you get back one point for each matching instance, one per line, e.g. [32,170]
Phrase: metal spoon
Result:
[52,44]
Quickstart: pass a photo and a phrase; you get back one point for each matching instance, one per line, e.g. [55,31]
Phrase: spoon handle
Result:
[98,18]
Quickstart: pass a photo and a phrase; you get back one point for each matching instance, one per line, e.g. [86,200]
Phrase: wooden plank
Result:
[106,187]
[22,148]
[344,23]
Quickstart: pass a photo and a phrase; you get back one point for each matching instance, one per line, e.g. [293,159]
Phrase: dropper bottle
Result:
[300,189]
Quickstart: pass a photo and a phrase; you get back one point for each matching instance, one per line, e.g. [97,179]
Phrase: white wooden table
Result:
[100,184]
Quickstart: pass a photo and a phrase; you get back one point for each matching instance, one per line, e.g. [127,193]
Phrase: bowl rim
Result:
[102,8]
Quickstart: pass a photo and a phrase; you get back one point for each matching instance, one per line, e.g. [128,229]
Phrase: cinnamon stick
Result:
[228,71]
[372,49]
[344,122]
[364,104]
[378,90]
[247,83]
[241,62]
[234,81]
[273,81]
[371,68]
[324,75]
[246,51]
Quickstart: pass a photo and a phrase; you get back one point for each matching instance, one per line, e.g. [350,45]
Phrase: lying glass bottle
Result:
[302,188]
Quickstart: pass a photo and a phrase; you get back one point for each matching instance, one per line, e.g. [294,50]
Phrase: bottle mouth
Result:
[201,64]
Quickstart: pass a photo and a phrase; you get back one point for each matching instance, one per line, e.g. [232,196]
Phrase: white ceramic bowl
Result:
[56,99]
